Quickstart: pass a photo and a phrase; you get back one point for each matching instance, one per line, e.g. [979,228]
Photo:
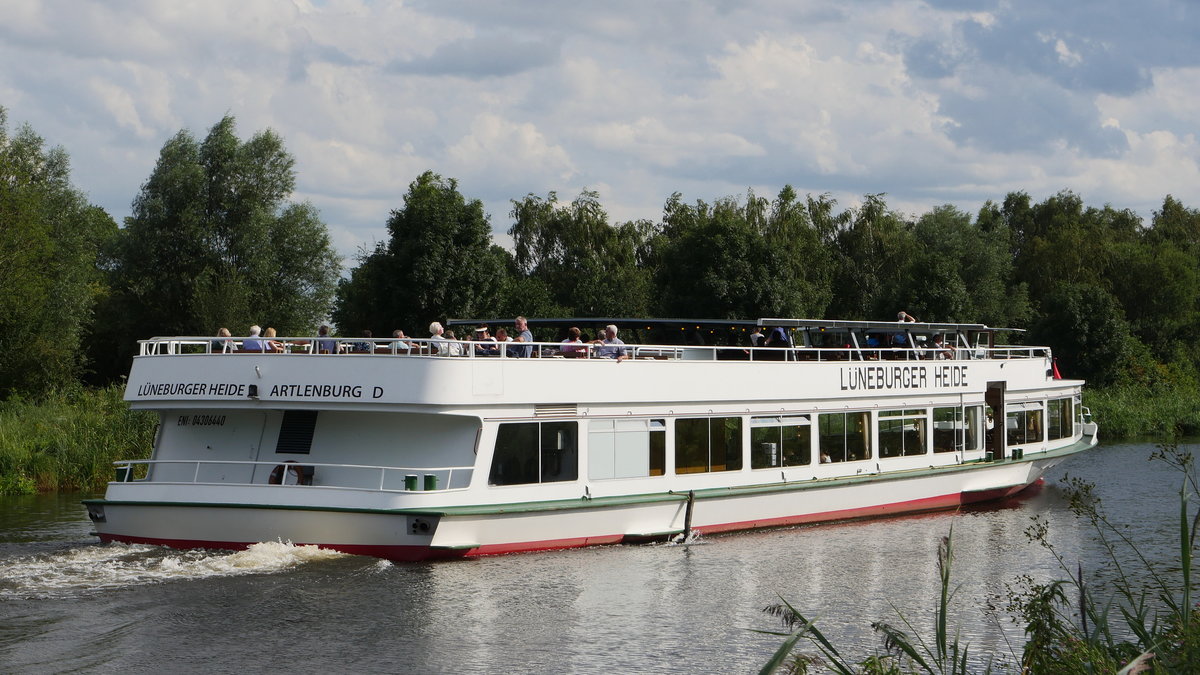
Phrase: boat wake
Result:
[92,568]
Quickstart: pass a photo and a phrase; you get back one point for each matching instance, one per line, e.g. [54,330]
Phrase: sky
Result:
[937,102]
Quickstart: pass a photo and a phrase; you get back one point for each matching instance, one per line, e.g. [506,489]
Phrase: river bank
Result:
[69,439]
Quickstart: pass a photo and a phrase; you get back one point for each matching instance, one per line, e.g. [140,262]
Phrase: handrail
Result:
[455,349]
[128,464]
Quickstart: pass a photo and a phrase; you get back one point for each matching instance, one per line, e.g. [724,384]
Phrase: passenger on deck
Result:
[569,348]
[454,348]
[366,346]
[403,345]
[611,347]
[905,317]
[940,349]
[523,335]
[487,346]
[324,344]
[271,344]
[757,337]
[438,345]
[222,346]
[253,343]
[777,338]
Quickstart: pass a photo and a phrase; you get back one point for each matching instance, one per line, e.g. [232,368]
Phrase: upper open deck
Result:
[855,362]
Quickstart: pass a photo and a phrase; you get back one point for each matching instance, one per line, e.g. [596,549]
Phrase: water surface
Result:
[69,603]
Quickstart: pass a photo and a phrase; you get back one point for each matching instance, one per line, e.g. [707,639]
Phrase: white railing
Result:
[324,475]
[326,347]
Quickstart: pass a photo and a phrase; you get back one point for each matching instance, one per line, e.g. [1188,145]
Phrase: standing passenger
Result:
[525,336]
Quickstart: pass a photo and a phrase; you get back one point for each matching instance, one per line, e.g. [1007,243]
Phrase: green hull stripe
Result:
[626,500]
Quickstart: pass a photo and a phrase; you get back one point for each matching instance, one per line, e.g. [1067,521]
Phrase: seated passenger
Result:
[223,346]
[403,345]
[366,346]
[253,343]
[325,345]
[270,344]
[437,338]
[940,349]
[569,348]
[454,348]
[611,347]
[487,344]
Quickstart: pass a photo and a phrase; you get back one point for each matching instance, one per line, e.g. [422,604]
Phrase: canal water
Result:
[70,604]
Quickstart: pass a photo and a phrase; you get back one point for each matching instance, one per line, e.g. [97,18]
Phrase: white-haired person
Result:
[253,343]
[611,347]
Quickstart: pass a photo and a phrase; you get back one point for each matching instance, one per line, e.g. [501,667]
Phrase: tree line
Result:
[214,240]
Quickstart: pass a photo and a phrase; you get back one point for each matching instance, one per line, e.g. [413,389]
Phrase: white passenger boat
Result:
[408,450]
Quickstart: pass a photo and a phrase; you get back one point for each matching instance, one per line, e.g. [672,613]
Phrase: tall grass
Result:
[1145,620]
[1139,411]
[68,440]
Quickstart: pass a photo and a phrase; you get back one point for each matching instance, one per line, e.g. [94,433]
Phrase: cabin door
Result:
[995,439]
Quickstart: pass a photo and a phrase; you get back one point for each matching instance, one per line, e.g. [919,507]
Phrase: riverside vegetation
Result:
[69,439]
[1144,618]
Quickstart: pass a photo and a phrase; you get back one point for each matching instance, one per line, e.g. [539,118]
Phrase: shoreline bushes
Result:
[68,439]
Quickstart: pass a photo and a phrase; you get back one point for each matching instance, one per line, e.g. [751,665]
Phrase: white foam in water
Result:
[119,565]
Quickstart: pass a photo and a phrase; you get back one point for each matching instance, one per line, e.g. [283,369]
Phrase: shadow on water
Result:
[67,603]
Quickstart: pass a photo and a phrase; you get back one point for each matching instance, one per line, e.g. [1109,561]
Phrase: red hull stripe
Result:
[414,553]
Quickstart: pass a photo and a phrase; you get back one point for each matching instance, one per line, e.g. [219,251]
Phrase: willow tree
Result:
[49,239]
[213,241]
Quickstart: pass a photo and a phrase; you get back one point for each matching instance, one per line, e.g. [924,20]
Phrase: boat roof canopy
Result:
[818,324]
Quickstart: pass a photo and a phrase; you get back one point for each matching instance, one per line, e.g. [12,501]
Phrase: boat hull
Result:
[464,531]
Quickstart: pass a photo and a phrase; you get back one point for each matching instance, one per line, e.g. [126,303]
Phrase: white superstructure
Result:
[398,449]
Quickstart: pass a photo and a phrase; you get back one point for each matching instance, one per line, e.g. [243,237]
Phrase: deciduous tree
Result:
[214,242]
[49,239]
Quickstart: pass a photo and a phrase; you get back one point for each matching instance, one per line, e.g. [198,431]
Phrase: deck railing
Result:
[426,348]
[323,474]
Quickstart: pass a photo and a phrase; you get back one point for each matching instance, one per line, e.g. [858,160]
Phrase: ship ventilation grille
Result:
[556,410]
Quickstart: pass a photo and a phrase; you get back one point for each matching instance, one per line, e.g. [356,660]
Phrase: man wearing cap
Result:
[488,346]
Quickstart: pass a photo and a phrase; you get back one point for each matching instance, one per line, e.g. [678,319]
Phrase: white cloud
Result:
[634,100]
[509,150]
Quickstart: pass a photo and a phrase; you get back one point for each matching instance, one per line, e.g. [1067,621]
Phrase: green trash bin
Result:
[123,474]
[410,482]
[430,481]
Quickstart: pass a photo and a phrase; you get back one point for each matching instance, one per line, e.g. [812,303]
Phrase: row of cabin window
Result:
[542,452]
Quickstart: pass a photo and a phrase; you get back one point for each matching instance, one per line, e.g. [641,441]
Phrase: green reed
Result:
[1138,411]
[1144,619]
[69,439]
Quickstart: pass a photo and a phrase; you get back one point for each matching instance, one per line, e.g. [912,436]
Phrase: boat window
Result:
[296,432]
[626,448]
[1023,424]
[1060,418]
[902,432]
[957,428]
[535,452]
[844,437]
[708,444]
[780,441]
